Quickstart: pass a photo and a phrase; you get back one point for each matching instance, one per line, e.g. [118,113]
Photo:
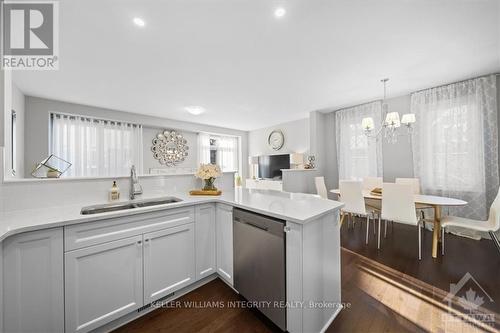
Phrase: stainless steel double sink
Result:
[113,207]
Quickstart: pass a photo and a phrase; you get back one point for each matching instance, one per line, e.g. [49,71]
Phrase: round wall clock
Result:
[276,140]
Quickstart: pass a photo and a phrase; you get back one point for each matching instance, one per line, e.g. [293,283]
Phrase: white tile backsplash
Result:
[50,193]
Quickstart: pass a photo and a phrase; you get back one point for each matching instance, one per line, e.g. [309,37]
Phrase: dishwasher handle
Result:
[252,224]
[257,221]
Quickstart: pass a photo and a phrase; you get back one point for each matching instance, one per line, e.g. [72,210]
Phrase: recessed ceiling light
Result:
[139,22]
[196,110]
[279,12]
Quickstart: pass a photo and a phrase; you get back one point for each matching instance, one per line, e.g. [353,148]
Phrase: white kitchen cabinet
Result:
[33,298]
[169,261]
[206,257]
[224,236]
[103,283]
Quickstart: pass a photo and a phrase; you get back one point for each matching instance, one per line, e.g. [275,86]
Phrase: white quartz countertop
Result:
[294,207]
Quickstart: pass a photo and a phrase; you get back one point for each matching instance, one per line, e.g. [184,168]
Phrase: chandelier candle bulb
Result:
[392,119]
[408,118]
[367,124]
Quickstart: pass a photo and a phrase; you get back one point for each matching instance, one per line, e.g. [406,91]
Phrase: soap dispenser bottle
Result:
[114,192]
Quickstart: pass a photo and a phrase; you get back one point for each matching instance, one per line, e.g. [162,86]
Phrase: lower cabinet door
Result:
[33,282]
[206,260]
[103,283]
[169,261]
[224,231]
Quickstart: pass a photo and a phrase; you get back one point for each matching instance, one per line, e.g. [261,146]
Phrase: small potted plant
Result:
[208,173]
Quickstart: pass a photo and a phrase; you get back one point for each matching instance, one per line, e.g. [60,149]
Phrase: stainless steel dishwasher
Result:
[259,263]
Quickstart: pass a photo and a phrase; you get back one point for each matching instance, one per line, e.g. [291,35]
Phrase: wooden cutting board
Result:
[201,192]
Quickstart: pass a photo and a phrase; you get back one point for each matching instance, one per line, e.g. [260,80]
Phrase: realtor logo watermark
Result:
[30,38]
[470,296]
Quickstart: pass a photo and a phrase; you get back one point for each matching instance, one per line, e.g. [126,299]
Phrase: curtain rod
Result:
[74,115]
[356,105]
[447,84]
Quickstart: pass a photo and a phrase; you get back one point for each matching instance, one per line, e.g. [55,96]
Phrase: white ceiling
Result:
[251,70]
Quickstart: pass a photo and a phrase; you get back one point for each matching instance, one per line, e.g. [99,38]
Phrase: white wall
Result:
[296,134]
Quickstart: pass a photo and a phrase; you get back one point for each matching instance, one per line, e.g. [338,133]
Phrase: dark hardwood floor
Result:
[399,251]
[188,318]
[388,290]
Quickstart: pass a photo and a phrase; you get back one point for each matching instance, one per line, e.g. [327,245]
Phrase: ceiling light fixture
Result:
[279,12]
[195,110]
[139,22]
[391,124]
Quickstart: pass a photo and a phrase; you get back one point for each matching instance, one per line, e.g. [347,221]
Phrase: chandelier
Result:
[390,127]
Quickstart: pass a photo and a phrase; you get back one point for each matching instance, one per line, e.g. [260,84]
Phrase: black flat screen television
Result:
[270,166]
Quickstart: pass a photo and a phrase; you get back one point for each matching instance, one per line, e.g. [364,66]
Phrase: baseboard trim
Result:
[135,314]
[330,321]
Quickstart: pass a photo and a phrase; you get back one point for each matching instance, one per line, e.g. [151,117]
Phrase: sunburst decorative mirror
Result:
[169,148]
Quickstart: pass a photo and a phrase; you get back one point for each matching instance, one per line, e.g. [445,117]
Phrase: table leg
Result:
[436,233]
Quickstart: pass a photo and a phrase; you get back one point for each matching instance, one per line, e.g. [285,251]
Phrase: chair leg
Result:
[342,217]
[442,240]
[385,229]
[422,216]
[495,240]
[378,244]
[419,241]
[374,229]
[367,227]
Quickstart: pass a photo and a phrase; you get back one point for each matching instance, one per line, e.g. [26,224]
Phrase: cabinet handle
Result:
[146,240]
[139,242]
[287,229]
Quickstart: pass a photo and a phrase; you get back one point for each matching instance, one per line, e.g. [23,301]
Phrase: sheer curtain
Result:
[96,147]
[227,153]
[203,148]
[357,155]
[455,143]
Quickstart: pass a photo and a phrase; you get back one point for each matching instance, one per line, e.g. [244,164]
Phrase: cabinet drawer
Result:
[93,233]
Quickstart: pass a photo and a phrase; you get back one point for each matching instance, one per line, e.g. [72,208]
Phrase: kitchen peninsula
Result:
[70,272]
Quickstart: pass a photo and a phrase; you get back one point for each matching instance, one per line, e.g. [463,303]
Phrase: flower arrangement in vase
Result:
[208,173]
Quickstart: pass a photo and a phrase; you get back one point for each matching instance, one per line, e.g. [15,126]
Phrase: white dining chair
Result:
[351,195]
[321,187]
[415,184]
[398,205]
[490,226]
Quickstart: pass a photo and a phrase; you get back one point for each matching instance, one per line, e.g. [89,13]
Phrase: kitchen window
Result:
[219,149]
[96,147]
[357,155]
[454,143]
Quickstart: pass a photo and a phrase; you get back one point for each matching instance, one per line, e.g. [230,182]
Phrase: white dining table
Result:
[433,201]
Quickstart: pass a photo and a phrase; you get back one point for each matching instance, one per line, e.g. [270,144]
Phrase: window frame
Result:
[13,141]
